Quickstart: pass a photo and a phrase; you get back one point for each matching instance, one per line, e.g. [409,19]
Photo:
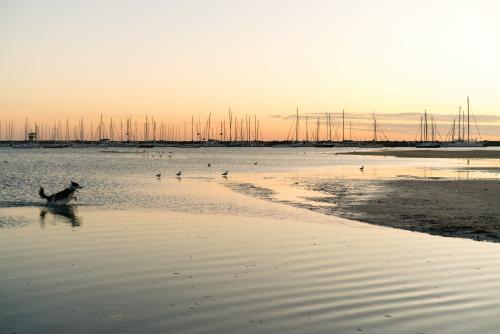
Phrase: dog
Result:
[63,197]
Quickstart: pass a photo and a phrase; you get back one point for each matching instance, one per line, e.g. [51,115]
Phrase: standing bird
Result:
[178,173]
[362,168]
[158,175]
[209,164]
[225,173]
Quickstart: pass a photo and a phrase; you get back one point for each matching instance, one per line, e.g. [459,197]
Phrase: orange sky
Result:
[174,59]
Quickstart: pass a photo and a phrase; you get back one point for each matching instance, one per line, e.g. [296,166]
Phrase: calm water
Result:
[207,254]
[127,179]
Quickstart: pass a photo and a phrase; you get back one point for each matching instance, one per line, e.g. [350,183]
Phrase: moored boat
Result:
[428,144]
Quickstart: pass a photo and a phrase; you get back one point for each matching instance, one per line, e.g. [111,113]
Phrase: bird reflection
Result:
[67,212]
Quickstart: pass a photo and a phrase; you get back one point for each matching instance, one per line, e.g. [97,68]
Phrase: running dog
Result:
[63,197]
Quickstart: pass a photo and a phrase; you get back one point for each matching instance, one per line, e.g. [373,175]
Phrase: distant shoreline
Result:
[444,154]
[215,143]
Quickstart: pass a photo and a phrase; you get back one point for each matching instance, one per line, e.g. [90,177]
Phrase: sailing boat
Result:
[374,143]
[473,143]
[428,144]
[424,134]
[297,142]
[462,142]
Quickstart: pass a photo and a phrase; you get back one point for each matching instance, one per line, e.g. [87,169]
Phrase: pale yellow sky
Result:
[172,59]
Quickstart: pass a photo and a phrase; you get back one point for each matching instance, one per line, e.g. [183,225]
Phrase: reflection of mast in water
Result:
[460,174]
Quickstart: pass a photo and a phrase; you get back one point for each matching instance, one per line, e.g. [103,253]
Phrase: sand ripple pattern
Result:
[213,274]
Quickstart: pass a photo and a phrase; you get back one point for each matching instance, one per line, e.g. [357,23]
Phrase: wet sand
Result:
[159,272]
[455,208]
[447,154]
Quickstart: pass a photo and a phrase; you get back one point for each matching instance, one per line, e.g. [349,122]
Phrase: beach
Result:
[301,242]
[456,208]
[249,167]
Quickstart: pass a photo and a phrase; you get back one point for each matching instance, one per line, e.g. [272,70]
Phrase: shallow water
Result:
[207,254]
[161,272]
[127,179]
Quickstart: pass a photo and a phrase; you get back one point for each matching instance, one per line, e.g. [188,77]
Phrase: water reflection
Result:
[67,213]
[463,174]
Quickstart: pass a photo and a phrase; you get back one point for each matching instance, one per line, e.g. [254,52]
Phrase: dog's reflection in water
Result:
[67,212]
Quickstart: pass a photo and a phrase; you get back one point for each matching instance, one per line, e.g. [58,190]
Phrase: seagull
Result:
[158,175]
[178,173]
[361,168]
[225,173]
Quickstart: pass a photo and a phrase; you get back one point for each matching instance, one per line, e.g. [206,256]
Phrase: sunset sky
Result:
[174,59]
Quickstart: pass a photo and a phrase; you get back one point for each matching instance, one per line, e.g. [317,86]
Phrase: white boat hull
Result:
[466,144]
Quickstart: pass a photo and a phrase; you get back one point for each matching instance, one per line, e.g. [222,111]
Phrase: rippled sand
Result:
[143,272]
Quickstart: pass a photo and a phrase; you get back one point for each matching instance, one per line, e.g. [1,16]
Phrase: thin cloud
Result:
[389,117]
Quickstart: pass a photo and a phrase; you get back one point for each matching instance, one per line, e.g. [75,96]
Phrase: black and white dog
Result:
[63,197]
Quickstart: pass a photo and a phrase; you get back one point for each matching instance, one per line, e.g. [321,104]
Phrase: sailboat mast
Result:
[230,125]
[129,126]
[343,125]
[235,129]
[425,125]
[26,130]
[459,116]
[307,131]
[468,121]
[242,137]
[453,132]
[329,128]
[154,129]
[256,137]
[82,135]
[431,120]
[67,129]
[463,125]
[297,126]
[100,126]
[421,128]
[248,125]
[208,136]
[317,131]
